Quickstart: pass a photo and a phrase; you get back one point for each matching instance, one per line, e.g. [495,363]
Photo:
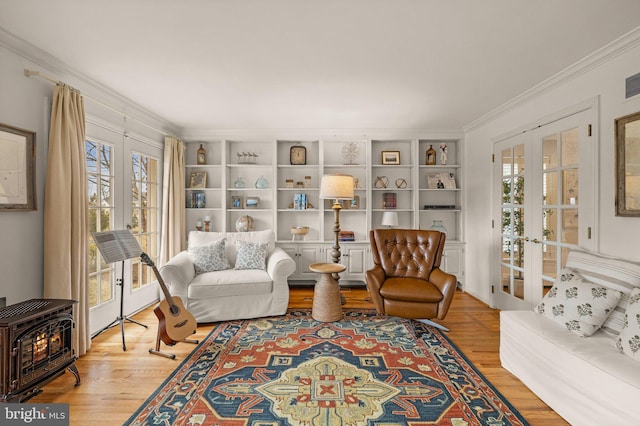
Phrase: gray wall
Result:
[602,78]
[25,103]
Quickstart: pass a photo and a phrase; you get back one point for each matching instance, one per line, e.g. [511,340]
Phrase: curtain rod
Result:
[30,73]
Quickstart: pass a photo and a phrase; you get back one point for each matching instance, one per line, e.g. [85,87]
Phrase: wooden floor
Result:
[115,383]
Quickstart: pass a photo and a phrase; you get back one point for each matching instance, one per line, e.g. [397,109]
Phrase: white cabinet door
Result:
[355,259]
[453,262]
[304,255]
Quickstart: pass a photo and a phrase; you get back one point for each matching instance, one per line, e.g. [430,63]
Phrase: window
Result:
[100,177]
[144,215]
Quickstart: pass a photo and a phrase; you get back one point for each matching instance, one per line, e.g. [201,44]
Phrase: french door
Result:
[124,184]
[543,207]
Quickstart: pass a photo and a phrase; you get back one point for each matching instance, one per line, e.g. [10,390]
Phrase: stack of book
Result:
[346,236]
[300,201]
[389,200]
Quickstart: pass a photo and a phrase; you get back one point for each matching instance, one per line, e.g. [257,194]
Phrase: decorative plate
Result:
[350,152]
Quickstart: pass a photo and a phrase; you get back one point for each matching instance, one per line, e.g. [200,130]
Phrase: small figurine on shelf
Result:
[199,225]
[443,153]
[207,223]
[202,155]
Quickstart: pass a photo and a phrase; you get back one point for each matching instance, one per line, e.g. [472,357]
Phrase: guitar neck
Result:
[163,286]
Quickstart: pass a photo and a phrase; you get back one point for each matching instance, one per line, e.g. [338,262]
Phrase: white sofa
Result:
[586,380]
[231,294]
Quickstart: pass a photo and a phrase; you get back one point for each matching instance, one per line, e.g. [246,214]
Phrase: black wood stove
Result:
[35,346]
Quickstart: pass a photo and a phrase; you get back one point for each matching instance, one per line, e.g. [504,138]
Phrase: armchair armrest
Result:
[178,274]
[446,283]
[280,265]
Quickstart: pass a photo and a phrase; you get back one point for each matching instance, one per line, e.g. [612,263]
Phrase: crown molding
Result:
[82,82]
[601,56]
[316,133]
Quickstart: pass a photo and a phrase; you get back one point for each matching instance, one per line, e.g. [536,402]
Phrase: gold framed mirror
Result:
[627,130]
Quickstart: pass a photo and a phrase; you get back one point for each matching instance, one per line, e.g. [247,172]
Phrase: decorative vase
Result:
[437,226]
[244,224]
[239,183]
[262,183]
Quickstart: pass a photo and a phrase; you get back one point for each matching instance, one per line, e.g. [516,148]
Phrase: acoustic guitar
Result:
[175,322]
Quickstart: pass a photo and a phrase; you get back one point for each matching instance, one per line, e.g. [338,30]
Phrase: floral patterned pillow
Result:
[629,338]
[251,255]
[577,304]
[210,257]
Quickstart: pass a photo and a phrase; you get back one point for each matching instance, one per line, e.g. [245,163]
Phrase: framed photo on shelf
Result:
[236,202]
[252,202]
[198,180]
[390,157]
[355,203]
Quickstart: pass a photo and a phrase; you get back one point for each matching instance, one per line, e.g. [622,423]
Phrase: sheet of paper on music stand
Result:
[116,246]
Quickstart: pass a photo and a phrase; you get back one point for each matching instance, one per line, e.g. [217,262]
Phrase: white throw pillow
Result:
[629,338]
[251,255]
[209,257]
[577,304]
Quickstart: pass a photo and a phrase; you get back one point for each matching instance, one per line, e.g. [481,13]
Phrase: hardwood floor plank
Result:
[115,383]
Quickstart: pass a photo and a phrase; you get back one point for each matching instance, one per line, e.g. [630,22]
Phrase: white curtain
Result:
[173,200]
[66,211]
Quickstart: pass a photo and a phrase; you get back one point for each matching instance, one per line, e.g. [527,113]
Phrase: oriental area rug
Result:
[365,369]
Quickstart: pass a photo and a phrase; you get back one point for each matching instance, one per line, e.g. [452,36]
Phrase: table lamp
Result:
[389,219]
[336,187]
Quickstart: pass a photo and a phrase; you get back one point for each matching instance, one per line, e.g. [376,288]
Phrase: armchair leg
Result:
[434,324]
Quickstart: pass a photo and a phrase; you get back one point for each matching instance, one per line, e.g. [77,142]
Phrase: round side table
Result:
[327,305]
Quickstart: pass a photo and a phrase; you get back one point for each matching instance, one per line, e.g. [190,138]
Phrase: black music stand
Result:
[118,246]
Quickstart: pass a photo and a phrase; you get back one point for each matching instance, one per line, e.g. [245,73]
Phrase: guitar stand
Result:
[121,318]
[157,350]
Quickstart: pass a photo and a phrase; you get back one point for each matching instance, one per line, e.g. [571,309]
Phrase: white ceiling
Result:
[325,64]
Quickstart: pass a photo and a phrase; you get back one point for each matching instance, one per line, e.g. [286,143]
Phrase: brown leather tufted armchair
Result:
[406,280]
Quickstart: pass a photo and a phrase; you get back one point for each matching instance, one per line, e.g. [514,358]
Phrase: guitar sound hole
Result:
[174,310]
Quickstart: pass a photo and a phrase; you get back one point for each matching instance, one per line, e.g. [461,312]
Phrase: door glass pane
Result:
[569,147]
[145,209]
[550,188]
[505,279]
[518,190]
[549,260]
[550,152]
[570,186]
[518,222]
[507,159]
[100,180]
[570,226]
[518,159]
[549,224]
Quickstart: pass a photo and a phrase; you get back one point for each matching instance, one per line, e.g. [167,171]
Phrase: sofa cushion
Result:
[198,238]
[251,255]
[577,304]
[230,283]
[209,257]
[609,272]
[629,338]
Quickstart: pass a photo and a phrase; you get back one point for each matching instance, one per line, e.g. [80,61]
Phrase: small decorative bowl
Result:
[299,230]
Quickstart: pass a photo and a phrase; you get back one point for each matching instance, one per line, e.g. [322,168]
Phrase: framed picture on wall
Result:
[627,131]
[17,182]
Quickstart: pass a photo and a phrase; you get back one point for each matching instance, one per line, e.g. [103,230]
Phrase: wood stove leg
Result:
[74,370]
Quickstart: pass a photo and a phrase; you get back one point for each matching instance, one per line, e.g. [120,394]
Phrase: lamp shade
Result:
[390,219]
[337,187]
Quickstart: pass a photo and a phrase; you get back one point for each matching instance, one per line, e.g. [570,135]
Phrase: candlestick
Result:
[207,223]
